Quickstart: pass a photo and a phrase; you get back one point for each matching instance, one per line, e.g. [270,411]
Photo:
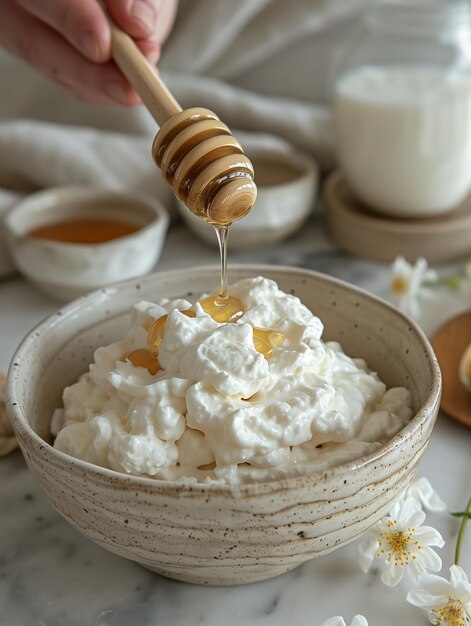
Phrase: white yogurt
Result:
[220,403]
[404,137]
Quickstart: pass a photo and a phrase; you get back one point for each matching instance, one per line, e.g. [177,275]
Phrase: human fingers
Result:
[81,22]
[150,49]
[137,17]
[150,19]
[84,25]
[43,48]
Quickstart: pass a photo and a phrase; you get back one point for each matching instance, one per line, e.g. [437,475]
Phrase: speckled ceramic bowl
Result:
[214,534]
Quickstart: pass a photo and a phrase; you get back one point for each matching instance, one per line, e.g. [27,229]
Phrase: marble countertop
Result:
[52,576]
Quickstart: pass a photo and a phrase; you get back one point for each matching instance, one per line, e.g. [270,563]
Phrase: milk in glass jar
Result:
[402,102]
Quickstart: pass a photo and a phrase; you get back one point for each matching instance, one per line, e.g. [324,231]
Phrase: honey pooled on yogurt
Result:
[145,358]
[265,339]
[156,331]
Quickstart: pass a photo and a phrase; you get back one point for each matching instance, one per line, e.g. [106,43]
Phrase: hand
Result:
[69,41]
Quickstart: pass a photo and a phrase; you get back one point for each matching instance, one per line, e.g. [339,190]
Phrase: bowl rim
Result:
[86,193]
[21,426]
[307,166]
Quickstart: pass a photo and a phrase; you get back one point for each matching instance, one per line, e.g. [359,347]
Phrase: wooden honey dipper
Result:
[200,159]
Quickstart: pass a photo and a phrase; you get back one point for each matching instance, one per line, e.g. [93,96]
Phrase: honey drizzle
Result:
[223,311]
[222,233]
[221,307]
[156,331]
[145,358]
[266,340]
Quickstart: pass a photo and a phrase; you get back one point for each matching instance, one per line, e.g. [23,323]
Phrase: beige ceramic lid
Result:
[352,227]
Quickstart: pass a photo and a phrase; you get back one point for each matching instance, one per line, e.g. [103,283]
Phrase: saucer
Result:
[352,227]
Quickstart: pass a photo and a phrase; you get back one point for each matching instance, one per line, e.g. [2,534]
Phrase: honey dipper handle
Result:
[142,76]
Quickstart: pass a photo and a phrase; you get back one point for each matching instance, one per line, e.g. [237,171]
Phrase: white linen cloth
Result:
[261,65]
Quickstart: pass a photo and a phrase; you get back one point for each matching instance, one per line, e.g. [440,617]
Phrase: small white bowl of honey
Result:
[71,240]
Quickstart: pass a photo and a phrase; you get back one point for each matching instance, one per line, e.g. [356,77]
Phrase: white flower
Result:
[424,494]
[402,542]
[358,620]
[406,283]
[446,602]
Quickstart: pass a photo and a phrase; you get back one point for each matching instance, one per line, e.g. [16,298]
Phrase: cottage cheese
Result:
[219,410]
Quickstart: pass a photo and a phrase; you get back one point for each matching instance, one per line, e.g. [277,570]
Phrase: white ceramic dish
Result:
[65,270]
[281,207]
[215,534]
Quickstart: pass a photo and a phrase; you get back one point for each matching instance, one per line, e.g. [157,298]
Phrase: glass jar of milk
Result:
[403,107]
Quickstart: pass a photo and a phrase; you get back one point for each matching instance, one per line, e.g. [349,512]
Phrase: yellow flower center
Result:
[396,544]
[399,285]
[452,614]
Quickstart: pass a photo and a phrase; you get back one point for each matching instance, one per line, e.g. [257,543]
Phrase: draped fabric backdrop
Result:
[263,66]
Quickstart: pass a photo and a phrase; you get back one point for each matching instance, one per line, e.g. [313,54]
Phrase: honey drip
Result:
[156,331]
[222,233]
[266,340]
[145,358]
[222,307]
[223,310]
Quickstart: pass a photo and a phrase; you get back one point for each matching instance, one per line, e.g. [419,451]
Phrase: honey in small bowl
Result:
[71,240]
[84,230]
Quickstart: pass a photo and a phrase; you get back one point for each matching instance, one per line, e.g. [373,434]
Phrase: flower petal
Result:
[463,593]
[429,559]
[359,620]
[392,575]
[458,575]
[436,585]
[418,505]
[422,490]
[408,515]
[366,551]
[423,599]
[401,267]
[426,535]
[416,518]
[394,511]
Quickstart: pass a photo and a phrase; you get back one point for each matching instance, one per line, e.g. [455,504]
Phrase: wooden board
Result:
[449,343]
